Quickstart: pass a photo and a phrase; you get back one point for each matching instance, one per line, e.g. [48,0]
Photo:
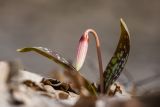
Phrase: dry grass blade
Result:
[80,83]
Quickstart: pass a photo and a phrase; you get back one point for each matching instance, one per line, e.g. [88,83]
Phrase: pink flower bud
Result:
[82,51]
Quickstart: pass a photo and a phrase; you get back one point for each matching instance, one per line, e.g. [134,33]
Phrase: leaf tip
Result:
[124,27]
[22,50]
[19,50]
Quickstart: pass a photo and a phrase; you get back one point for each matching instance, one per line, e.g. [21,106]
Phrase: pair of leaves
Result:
[113,69]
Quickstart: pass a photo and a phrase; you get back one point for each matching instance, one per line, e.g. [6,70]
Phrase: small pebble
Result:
[62,95]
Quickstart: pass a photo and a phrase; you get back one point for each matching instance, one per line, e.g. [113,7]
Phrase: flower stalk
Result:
[82,51]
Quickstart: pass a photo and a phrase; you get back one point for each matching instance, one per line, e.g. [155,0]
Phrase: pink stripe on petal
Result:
[82,51]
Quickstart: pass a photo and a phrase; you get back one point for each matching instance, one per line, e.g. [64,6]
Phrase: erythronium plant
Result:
[113,69]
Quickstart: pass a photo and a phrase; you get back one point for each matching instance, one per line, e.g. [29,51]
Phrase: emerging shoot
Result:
[113,69]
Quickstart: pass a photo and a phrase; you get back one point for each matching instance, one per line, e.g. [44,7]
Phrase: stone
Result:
[62,95]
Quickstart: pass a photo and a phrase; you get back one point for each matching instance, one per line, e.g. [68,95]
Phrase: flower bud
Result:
[82,51]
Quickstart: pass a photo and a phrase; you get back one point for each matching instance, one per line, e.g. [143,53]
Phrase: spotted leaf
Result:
[119,59]
[52,55]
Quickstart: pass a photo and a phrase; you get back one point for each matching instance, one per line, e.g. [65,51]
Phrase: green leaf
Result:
[119,59]
[54,56]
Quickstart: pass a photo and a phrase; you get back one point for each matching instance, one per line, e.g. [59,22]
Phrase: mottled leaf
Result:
[54,56]
[119,59]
